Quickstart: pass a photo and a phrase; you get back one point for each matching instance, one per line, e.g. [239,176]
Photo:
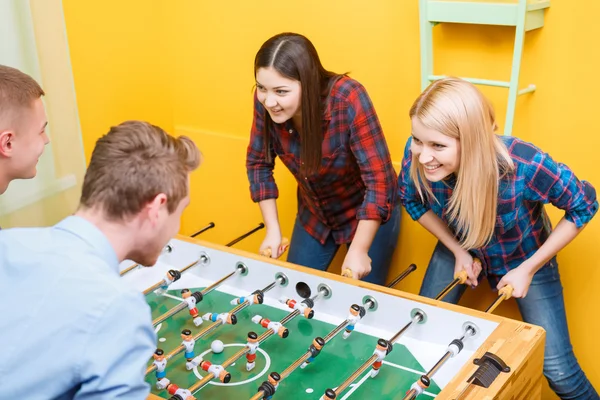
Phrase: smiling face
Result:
[24,144]
[278,94]
[438,154]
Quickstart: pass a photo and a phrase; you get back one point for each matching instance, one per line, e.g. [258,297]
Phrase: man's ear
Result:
[7,139]
[154,206]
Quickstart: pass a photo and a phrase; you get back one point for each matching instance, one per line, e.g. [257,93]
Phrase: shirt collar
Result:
[90,234]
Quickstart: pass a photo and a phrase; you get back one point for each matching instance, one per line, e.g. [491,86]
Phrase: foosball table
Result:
[236,325]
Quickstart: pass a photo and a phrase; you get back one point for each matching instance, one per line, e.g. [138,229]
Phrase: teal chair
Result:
[524,15]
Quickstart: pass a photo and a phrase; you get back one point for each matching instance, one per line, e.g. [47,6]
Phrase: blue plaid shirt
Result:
[522,224]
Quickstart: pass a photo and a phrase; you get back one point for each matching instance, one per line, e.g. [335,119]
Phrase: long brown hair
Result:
[456,108]
[295,57]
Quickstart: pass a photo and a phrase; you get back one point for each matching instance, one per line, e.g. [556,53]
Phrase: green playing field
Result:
[338,359]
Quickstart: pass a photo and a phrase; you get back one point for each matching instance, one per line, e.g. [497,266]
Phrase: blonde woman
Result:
[483,196]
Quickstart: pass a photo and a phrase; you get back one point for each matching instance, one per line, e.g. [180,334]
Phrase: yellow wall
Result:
[202,86]
[120,57]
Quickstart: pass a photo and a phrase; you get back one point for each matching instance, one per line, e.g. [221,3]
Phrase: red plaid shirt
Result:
[356,180]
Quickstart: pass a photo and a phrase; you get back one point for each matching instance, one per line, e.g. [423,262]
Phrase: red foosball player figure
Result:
[189,343]
[382,349]
[161,363]
[305,306]
[178,393]
[217,370]
[315,348]
[269,387]
[191,299]
[276,327]
[226,318]
[252,346]
[356,314]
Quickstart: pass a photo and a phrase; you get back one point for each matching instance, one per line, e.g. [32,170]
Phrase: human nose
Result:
[425,156]
[270,101]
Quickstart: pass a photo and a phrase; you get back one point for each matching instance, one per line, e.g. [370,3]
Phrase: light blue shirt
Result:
[70,328]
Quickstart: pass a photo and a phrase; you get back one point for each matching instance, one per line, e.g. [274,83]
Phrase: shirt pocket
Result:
[506,222]
[337,166]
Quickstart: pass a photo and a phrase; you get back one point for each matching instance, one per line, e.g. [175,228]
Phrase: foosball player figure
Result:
[315,348]
[382,349]
[356,314]
[226,318]
[252,346]
[275,326]
[255,298]
[305,306]
[171,276]
[191,299]
[161,363]
[188,343]
[178,393]
[269,387]
[217,370]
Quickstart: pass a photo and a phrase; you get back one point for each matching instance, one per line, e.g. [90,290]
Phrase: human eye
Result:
[282,92]
[261,88]
[416,141]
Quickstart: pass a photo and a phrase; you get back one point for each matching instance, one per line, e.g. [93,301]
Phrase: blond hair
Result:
[134,162]
[17,91]
[456,108]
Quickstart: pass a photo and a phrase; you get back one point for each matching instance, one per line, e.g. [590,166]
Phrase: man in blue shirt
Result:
[70,327]
[22,126]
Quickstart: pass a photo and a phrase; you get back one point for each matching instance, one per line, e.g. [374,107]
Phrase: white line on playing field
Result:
[261,373]
[366,376]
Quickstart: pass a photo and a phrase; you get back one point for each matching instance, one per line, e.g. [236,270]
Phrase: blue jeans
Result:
[543,306]
[309,252]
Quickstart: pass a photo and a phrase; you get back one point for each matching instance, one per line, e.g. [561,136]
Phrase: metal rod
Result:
[495,304]
[207,227]
[448,288]
[126,270]
[404,274]
[356,374]
[335,331]
[159,284]
[218,283]
[374,357]
[166,249]
[170,313]
[412,393]
[416,318]
[265,335]
[201,334]
[439,364]
[207,378]
[245,235]
[204,292]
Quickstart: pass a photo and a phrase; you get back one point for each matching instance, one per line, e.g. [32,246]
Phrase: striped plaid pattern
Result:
[522,224]
[356,180]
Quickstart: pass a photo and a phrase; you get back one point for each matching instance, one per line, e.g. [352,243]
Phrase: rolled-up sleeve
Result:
[373,157]
[553,182]
[407,191]
[260,171]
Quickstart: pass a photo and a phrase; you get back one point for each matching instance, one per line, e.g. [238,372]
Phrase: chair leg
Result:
[426,33]
[516,67]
